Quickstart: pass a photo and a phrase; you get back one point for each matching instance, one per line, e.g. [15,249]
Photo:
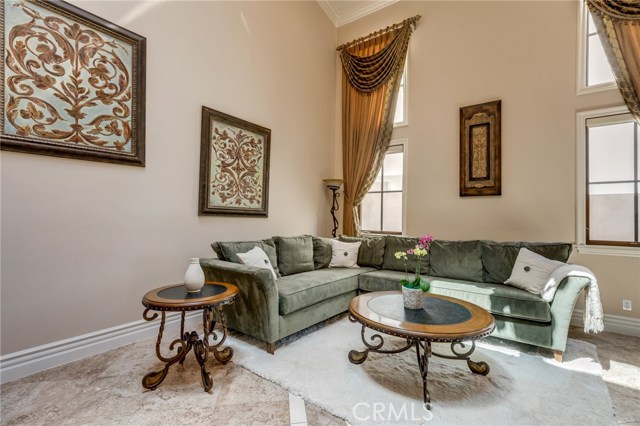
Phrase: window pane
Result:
[377,184]
[370,212]
[598,67]
[611,212]
[611,152]
[591,26]
[393,165]
[392,215]
[399,116]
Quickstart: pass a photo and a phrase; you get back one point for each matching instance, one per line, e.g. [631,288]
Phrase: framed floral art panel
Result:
[234,166]
[73,84]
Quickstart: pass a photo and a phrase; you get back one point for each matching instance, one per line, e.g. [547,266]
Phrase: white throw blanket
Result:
[592,316]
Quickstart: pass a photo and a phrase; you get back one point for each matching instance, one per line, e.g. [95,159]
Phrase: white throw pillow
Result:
[344,255]
[258,258]
[531,271]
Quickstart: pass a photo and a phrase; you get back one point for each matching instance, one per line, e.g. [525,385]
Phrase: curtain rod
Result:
[393,27]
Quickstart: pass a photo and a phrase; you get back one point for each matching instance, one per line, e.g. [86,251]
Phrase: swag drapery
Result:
[372,69]
[618,25]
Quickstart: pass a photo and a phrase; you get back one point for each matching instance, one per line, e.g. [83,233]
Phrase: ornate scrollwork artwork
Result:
[234,165]
[480,149]
[73,84]
[237,167]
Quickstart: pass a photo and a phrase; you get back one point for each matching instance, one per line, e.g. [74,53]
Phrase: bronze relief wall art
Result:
[234,166]
[73,84]
[480,150]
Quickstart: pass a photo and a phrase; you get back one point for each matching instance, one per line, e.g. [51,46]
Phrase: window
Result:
[400,118]
[595,72]
[608,182]
[382,210]
[612,180]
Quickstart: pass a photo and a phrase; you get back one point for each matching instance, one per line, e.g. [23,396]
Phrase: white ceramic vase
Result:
[194,278]
[413,298]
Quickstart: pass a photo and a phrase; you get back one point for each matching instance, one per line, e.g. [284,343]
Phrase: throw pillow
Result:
[344,255]
[394,244]
[230,250]
[295,254]
[371,251]
[531,271]
[321,252]
[456,259]
[258,258]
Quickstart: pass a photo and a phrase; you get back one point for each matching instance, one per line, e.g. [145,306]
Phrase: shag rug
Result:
[521,388]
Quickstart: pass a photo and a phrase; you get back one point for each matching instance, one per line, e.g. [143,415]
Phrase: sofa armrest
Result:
[255,312]
[562,309]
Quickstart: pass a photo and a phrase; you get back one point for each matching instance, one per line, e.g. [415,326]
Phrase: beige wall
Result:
[82,241]
[523,53]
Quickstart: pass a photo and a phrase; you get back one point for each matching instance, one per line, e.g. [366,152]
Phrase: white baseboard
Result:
[613,323]
[20,364]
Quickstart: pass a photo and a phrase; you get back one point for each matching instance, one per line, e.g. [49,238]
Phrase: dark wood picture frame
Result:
[109,121]
[480,149]
[234,166]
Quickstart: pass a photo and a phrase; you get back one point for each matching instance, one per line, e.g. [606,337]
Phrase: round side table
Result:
[176,298]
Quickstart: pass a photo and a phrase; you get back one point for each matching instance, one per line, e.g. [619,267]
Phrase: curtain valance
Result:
[369,73]
[626,10]
[618,26]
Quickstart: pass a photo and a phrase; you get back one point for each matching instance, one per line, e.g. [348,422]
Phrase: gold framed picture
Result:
[480,150]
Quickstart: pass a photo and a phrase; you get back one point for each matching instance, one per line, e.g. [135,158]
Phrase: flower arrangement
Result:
[419,251]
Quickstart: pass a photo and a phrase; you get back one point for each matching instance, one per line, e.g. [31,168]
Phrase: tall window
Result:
[400,118]
[382,209]
[595,72]
[612,180]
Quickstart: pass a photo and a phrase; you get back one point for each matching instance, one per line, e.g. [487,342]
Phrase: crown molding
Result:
[344,12]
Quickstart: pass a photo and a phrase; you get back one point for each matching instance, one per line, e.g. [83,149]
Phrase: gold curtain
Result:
[372,69]
[618,25]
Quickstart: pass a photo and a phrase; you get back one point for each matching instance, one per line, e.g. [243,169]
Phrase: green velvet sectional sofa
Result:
[307,291]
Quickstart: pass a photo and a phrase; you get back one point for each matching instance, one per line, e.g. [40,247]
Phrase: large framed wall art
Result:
[73,84]
[234,166]
[480,150]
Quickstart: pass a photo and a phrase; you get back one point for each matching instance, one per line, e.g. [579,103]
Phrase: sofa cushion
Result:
[230,250]
[456,259]
[371,251]
[499,299]
[498,258]
[308,288]
[383,280]
[295,254]
[553,251]
[321,252]
[394,244]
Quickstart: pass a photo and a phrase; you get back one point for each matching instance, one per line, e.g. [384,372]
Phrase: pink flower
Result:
[426,240]
[410,251]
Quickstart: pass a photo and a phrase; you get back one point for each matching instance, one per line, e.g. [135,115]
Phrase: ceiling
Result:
[342,12]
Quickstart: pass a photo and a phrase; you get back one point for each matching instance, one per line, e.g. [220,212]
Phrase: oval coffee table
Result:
[176,298]
[442,319]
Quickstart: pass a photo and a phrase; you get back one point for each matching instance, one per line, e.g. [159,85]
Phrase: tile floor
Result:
[105,390]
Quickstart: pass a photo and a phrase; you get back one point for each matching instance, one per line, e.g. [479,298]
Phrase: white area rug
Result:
[521,389]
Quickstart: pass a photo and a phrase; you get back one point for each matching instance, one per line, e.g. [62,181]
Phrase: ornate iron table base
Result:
[423,353]
[188,341]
